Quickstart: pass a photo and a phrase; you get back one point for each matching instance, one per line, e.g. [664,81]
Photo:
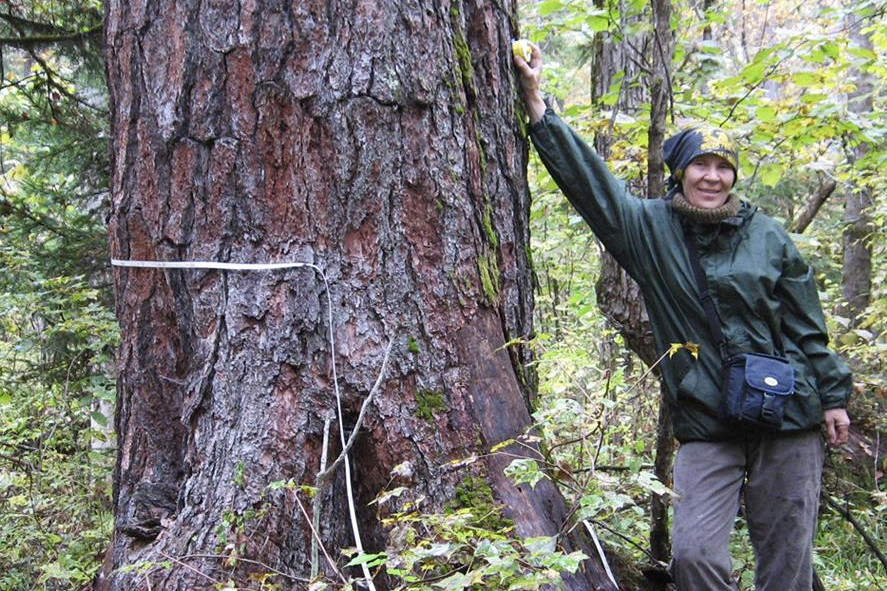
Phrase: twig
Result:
[40,40]
[326,474]
[648,372]
[812,207]
[319,541]
[16,462]
[665,61]
[248,561]
[845,513]
[627,539]
[315,558]
[190,568]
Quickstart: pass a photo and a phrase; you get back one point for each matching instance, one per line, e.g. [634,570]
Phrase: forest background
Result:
[800,84]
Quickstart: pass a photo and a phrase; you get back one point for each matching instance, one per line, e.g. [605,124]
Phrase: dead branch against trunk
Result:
[819,197]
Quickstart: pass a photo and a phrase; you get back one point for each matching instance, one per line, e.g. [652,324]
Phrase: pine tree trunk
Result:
[378,141]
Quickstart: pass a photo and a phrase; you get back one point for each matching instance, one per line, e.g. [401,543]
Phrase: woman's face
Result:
[707,181]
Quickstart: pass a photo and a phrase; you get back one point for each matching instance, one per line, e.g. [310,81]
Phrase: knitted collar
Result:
[702,215]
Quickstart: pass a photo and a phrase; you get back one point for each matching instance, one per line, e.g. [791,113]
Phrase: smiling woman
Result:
[716,271]
[707,181]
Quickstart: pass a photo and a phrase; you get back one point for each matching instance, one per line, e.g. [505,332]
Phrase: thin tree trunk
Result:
[618,295]
[856,281]
[660,92]
[379,142]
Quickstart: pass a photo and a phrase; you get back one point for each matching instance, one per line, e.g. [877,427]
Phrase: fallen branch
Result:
[845,513]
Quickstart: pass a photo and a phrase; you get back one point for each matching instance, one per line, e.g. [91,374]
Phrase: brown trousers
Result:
[779,478]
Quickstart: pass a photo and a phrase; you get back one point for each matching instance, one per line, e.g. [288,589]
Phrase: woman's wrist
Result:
[535,105]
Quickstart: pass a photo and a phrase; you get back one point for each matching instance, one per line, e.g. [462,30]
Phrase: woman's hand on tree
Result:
[530,75]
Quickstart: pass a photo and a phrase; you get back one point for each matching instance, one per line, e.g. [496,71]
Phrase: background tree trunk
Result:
[618,295]
[856,280]
[378,141]
[660,94]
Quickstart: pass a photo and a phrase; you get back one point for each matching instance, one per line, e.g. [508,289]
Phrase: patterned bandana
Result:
[682,148]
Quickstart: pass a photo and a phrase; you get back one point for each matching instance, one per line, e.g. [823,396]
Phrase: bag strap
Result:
[708,303]
[705,297]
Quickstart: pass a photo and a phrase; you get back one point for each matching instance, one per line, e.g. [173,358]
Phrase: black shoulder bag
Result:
[756,387]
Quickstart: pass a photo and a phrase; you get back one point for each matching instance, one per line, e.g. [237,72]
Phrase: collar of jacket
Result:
[721,235]
[742,217]
[703,215]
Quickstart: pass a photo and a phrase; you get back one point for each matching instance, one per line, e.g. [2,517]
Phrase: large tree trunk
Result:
[378,141]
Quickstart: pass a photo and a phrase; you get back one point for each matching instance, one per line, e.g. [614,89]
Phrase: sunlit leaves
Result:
[524,470]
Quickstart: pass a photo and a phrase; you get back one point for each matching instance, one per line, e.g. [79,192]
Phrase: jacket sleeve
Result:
[804,324]
[613,214]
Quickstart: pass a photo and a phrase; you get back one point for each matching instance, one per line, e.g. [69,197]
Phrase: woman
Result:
[765,302]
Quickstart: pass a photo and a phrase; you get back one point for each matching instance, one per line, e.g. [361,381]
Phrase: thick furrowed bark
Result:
[376,140]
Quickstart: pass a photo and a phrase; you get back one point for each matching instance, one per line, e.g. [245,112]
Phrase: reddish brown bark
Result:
[377,140]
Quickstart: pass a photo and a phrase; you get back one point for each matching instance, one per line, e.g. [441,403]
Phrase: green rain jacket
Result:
[759,281]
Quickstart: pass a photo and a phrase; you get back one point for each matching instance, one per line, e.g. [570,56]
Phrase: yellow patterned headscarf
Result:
[681,149]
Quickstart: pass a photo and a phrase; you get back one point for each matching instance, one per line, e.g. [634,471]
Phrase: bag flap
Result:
[770,374]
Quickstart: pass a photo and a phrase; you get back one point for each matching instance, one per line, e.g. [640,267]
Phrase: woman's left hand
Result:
[530,77]
[837,425]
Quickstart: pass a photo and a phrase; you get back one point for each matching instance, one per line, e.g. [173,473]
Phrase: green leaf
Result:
[754,72]
[524,470]
[541,545]
[770,173]
[863,52]
[370,560]
[805,78]
[812,97]
[598,22]
[549,6]
[765,114]
[831,49]
[454,582]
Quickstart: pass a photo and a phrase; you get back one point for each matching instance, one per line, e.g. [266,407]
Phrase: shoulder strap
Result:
[705,297]
[708,302]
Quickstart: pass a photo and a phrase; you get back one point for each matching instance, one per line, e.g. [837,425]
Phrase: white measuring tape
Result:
[329,301]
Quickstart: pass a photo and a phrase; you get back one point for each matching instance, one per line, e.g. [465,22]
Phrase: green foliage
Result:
[782,79]
[463,549]
[786,79]
[57,332]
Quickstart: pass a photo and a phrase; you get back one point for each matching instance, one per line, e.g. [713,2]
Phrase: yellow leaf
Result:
[522,49]
[692,348]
